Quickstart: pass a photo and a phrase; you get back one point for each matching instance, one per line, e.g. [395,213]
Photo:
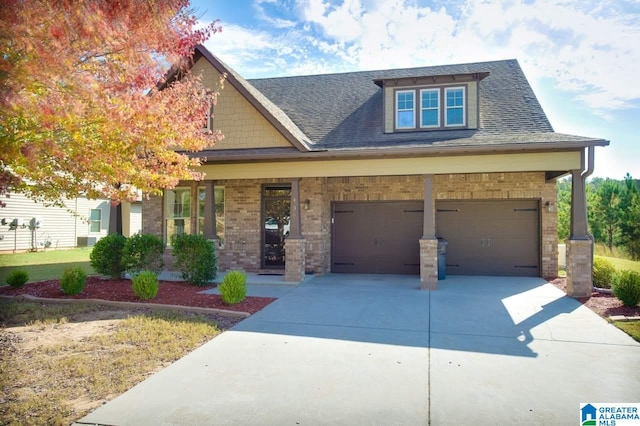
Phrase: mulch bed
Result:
[170,293]
[605,305]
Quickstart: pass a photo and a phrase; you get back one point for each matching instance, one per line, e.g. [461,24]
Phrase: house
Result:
[27,225]
[367,170]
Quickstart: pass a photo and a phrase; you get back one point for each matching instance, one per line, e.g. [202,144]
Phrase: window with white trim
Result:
[437,108]
[405,109]
[454,112]
[429,108]
[95,220]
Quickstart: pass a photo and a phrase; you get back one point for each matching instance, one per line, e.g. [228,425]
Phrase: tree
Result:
[564,208]
[607,208]
[630,217]
[81,110]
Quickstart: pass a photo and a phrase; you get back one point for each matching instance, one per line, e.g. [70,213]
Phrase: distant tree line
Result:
[613,212]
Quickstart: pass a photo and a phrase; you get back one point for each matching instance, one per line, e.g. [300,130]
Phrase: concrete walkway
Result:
[353,350]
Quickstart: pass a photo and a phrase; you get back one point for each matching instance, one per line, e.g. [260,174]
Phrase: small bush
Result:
[626,287]
[195,258]
[233,288]
[145,285]
[17,278]
[73,281]
[603,272]
[106,256]
[143,252]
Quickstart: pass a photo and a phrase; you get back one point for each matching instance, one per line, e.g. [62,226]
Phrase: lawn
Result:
[621,264]
[58,362]
[632,328]
[45,265]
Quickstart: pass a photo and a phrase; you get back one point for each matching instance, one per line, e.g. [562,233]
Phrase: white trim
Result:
[464,106]
[436,90]
[397,110]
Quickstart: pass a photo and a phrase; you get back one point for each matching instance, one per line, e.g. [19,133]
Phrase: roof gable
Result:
[271,112]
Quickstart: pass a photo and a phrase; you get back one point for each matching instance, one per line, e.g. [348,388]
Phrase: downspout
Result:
[590,152]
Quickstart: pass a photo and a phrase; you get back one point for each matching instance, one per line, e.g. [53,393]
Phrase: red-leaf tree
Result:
[85,104]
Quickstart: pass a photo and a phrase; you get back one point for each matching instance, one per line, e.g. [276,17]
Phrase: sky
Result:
[581,57]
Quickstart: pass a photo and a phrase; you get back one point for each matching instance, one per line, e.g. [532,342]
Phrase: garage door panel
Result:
[490,237]
[377,237]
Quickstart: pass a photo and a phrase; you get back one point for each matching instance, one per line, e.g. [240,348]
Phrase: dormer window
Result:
[455,108]
[431,108]
[405,109]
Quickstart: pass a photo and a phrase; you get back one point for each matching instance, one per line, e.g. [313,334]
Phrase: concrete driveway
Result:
[343,349]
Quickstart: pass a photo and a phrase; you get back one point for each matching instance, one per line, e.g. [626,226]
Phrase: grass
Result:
[632,328]
[622,264]
[45,265]
[56,381]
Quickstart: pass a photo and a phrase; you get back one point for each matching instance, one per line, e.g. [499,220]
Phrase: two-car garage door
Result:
[484,237]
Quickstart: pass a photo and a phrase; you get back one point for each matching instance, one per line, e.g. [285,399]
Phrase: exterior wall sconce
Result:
[549,206]
[306,204]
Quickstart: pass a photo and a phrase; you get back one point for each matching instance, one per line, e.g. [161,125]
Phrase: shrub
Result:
[233,288]
[603,272]
[195,258]
[626,287]
[145,285]
[73,281]
[106,256]
[17,278]
[143,252]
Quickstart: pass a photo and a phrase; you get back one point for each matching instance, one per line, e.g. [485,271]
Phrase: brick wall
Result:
[243,210]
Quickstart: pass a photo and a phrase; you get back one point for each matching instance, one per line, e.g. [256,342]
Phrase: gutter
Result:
[222,156]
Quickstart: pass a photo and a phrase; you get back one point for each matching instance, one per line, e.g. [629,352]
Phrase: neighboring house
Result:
[28,225]
[366,170]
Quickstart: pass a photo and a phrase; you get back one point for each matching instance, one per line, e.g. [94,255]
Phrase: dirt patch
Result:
[28,352]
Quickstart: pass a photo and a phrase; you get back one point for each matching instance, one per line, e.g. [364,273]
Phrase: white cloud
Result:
[588,48]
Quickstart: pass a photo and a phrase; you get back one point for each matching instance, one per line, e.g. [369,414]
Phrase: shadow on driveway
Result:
[390,309]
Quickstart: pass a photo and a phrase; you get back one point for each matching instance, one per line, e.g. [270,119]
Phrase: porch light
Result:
[549,206]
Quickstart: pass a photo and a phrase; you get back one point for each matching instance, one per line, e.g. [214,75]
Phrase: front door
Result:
[276,205]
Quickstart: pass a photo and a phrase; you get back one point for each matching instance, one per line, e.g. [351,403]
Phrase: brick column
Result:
[294,259]
[428,242]
[428,264]
[579,268]
[579,244]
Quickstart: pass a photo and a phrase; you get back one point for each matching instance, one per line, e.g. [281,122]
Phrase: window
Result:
[177,210]
[405,109]
[434,103]
[430,108]
[208,120]
[218,196]
[95,220]
[454,111]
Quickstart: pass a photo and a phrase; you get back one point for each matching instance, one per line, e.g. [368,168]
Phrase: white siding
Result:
[60,226]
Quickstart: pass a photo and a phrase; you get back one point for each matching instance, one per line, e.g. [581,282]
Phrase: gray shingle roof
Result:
[345,111]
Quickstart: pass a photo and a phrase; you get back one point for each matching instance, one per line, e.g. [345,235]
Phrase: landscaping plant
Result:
[145,285]
[73,281]
[17,278]
[233,288]
[195,258]
[143,252]
[106,256]
[626,287]
[603,272]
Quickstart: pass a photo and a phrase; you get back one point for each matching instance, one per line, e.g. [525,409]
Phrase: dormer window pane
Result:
[454,111]
[405,109]
[430,108]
